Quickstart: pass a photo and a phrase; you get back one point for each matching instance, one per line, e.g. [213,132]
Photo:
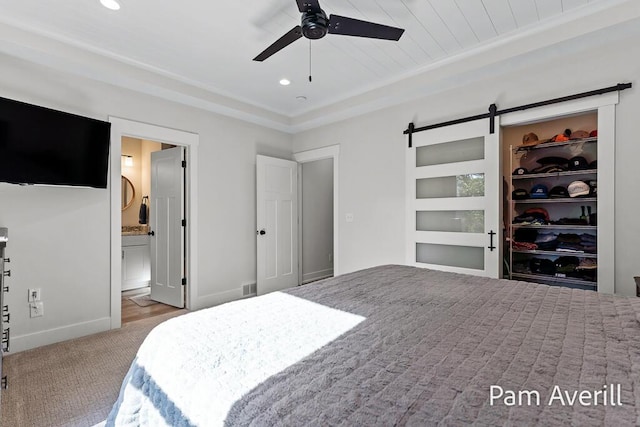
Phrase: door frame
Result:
[605,106]
[122,127]
[329,152]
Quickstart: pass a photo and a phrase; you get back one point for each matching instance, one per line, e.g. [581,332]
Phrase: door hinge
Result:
[184,280]
[184,163]
[184,222]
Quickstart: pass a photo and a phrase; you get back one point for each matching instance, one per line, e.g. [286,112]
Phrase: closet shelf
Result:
[557,227]
[521,148]
[557,200]
[556,174]
[553,279]
[555,253]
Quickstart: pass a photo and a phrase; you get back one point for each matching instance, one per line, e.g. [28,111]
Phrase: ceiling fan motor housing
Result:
[314,24]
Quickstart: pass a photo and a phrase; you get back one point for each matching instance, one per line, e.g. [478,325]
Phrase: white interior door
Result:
[454,189]
[277,224]
[166,214]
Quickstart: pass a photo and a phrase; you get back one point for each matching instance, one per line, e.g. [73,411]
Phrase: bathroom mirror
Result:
[128,192]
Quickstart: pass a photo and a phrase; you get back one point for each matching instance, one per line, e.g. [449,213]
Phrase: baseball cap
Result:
[530,139]
[540,191]
[578,163]
[520,171]
[578,188]
[520,194]
[579,134]
[553,160]
[558,191]
[560,138]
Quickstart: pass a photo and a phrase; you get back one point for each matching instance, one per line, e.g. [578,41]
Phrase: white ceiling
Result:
[201,51]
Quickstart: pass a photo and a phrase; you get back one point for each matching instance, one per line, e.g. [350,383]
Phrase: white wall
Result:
[59,237]
[372,147]
[317,219]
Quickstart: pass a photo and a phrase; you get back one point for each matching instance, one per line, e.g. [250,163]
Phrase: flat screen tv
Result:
[43,146]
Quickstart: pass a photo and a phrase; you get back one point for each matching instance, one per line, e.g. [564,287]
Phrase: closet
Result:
[452,228]
[552,229]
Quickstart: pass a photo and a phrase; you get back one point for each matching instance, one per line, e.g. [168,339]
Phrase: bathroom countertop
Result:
[135,230]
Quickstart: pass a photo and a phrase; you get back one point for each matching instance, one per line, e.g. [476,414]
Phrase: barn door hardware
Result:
[491,234]
[493,110]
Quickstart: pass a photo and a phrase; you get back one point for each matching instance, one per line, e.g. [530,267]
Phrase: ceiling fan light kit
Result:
[315,25]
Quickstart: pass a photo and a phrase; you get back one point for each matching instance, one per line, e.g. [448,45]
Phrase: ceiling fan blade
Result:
[308,5]
[281,43]
[354,27]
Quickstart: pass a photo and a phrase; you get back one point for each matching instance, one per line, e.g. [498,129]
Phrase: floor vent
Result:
[249,289]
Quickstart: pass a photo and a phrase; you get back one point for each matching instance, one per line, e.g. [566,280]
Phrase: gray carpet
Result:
[73,383]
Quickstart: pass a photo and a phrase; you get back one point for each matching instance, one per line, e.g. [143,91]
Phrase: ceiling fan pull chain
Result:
[309,61]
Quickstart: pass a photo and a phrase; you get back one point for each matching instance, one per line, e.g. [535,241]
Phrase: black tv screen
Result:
[43,146]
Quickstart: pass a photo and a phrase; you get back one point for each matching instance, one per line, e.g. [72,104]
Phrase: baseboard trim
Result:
[218,298]
[317,275]
[55,335]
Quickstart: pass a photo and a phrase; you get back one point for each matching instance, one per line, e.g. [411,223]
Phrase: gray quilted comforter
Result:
[393,345]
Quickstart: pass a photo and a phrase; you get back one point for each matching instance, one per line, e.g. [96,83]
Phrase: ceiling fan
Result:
[316,25]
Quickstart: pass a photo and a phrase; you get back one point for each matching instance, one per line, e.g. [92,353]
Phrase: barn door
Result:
[454,188]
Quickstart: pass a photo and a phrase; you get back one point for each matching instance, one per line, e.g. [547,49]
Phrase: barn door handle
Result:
[261,232]
[491,234]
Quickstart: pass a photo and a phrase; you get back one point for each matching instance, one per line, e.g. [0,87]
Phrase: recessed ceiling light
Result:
[110,4]
[285,82]
[301,98]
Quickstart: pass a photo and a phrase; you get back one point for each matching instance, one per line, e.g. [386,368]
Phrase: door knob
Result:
[261,232]
[151,233]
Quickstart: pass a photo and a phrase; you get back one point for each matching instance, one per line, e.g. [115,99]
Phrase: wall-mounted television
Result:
[43,146]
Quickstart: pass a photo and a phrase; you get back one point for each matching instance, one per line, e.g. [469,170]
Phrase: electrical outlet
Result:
[348,217]
[34,295]
[36,309]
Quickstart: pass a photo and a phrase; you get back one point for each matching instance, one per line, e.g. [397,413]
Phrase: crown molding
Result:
[75,58]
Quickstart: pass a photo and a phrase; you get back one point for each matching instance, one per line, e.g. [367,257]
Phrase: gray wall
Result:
[372,146]
[60,237]
[317,219]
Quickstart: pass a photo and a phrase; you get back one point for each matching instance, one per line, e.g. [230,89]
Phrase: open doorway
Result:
[187,145]
[316,220]
[318,209]
[138,234]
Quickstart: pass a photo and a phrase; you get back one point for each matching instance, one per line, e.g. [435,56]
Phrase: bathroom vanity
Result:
[136,261]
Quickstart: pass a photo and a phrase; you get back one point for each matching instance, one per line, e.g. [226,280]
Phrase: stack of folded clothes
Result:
[571,221]
[589,243]
[533,216]
[569,242]
[587,269]
[542,266]
[524,239]
[524,246]
[547,241]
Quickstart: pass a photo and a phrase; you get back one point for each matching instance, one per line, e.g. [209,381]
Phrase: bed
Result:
[393,345]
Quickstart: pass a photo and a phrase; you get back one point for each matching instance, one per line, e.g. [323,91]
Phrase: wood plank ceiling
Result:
[210,44]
